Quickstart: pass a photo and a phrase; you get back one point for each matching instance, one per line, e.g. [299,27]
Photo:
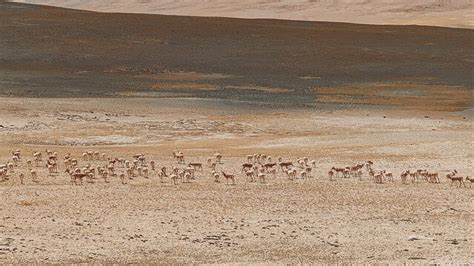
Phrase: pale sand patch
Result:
[100,140]
[184,76]
[258,88]
[185,86]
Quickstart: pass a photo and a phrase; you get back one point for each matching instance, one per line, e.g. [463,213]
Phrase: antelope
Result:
[219,158]
[122,178]
[388,176]
[145,172]
[338,170]
[249,174]
[433,177]
[216,177]
[15,160]
[268,166]
[273,172]
[139,169]
[346,172]
[34,176]
[261,177]
[191,171]
[17,153]
[213,166]
[368,165]
[378,178]
[404,175]
[412,176]
[229,176]
[303,174]
[179,156]
[196,166]
[163,171]
[455,178]
[10,167]
[308,172]
[470,179]
[246,166]
[21,176]
[174,177]
[291,173]
[3,174]
[359,174]
[187,177]
[104,175]
[285,165]
[249,158]
[160,175]
[331,175]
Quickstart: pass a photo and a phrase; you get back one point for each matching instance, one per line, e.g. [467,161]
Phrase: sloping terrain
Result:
[453,13]
[55,52]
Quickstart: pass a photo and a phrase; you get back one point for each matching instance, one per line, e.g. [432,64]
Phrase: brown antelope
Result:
[273,172]
[404,175]
[388,175]
[122,178]
[145,172]
[76,175]
[34,176]
[3,174]
[213,166]
[174,177]
[285,165]
[291,173]
[303,174]
[219,158]
[331,175]
[250,176]
[246,167]
[268,166]
[432,177]
[229,177]
[216,177]
[249,158]
[338,170]
[196,166]
[470,179]
[21,176]
[452,176]
[378,178]
[179,156]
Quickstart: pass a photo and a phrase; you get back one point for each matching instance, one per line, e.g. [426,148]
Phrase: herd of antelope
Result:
[257,167]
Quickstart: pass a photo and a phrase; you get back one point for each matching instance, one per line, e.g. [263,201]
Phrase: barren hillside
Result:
[454,13]
[49,51]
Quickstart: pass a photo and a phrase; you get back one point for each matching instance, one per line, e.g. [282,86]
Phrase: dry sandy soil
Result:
[451,13]
[340,94]
[312,220]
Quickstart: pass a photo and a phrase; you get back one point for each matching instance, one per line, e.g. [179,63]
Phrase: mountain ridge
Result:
[446,13]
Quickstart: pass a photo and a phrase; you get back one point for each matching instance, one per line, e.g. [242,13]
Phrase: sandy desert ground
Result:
[283,221]
[448,13]
[341,94]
